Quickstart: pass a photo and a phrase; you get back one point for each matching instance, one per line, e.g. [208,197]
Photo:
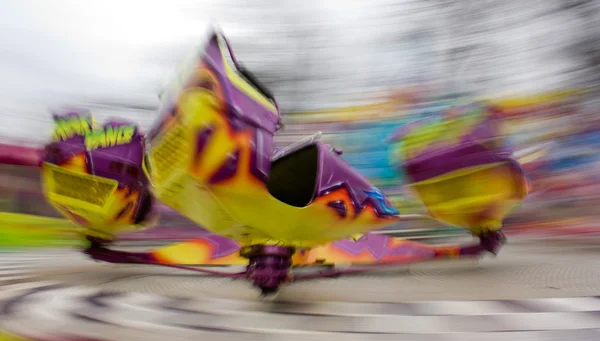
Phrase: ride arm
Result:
[207,250]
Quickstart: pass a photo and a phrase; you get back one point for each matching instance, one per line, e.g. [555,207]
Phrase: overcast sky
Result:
[60,52]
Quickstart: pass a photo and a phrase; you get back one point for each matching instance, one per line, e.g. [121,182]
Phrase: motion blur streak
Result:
[357,71]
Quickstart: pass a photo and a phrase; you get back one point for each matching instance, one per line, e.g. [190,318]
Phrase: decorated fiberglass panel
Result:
[211,157]
[459,165]
[93,174]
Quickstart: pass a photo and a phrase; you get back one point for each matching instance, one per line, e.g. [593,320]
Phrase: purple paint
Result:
[262,147]
[212,55]
[167,112]
[202,138]
[70,114]
[58,153]
[235,120]
[242,112]
[223,246]
[122,163]
[133,151]
[335,173]
[101,161]
[269,267]
[491,242]
[245,113]
[431,165]
[480,146]
[378,246]
[228,169]
[251,110]
[244,105]
[99,252]
[339,206]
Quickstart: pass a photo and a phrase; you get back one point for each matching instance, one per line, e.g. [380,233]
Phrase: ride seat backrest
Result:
[241,70]
[293,177]
[253,80]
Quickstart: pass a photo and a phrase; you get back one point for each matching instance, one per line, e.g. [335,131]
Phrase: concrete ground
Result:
[532,291]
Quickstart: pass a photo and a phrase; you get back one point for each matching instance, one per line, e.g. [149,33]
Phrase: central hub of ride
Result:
[269,266]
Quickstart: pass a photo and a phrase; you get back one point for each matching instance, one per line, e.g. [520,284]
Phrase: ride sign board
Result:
[109,136]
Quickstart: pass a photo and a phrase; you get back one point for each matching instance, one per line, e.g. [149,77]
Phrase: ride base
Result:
[270,266]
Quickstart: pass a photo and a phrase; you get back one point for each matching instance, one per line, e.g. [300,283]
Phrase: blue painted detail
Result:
[376,194]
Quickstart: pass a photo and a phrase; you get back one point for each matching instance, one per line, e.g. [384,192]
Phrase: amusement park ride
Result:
[211,157]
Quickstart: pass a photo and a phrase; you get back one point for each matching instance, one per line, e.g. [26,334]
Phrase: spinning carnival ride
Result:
[211,157]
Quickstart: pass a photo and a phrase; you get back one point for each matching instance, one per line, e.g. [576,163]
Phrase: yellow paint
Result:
[69,127]
[195,252]
[84,125]
[241,207]
[6,336]
[477,198]
[459,173]
[36,225]
[109,137]
[33,220]
[96,199]
[543,98]
[394,107]
[445,133]
[191,252]
[533,156]
[248,89]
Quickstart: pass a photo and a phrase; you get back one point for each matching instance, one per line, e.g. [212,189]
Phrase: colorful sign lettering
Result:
[109,137]
[70,126]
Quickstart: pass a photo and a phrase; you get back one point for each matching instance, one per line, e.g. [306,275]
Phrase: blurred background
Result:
[354,70]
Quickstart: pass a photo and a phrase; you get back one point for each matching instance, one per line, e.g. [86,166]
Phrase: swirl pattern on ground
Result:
[425,302]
